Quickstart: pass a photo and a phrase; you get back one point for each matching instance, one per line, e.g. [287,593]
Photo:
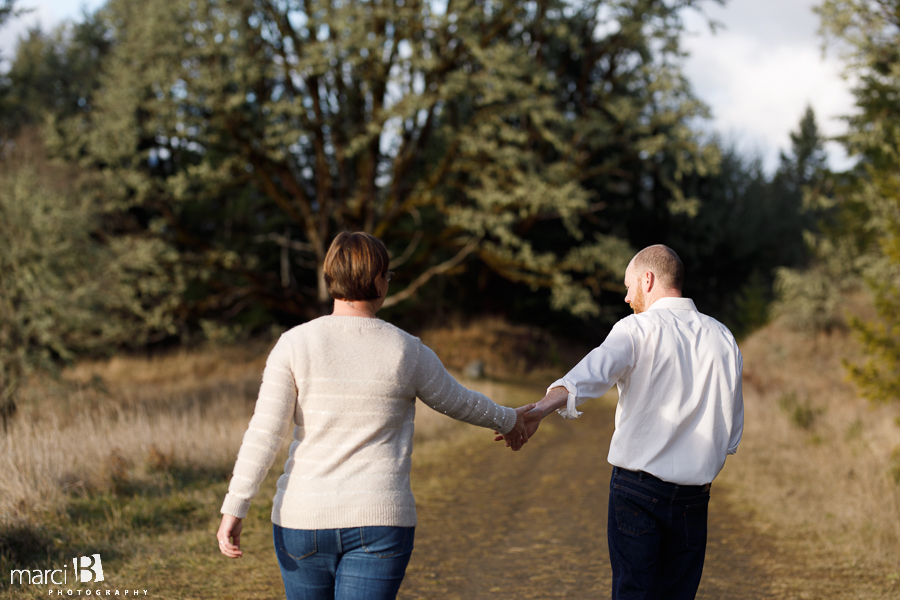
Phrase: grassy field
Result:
[819,467]
[130,459]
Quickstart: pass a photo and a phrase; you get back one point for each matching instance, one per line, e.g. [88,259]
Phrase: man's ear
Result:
[650,280]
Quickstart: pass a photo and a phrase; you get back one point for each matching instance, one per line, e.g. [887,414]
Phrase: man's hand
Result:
[517,437]
[555,398]
[229,530]
[533,419]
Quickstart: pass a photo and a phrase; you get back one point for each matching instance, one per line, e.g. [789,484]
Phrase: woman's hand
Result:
[229,536]
[518,436]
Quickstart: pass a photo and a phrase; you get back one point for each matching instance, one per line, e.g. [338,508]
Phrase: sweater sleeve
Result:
[439,390]
[271,420]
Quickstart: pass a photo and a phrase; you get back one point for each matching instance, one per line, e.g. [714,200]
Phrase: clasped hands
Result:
[528,418]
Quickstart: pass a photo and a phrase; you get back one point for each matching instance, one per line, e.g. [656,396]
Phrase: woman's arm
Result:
[439,390]
[271,420]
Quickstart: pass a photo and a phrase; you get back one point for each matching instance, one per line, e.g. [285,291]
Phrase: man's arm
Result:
[737,424]
[590,378]
[555,399]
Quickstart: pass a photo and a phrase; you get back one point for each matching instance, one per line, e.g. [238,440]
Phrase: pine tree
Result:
[869,31]
[51,74]
[63,292]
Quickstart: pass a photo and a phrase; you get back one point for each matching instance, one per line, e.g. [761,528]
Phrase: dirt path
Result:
[533,524]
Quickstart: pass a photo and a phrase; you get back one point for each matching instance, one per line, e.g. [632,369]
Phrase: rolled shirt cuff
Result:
[569,411]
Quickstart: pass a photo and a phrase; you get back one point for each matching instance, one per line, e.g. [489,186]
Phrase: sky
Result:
[762,70]
[758,73]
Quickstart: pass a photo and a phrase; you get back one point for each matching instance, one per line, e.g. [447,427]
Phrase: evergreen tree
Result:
[869,32]
[64,292]
[746,226]
[806,165]
[7,11]
[51,75]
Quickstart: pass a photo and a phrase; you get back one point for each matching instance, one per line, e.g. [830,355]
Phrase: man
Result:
[680,412]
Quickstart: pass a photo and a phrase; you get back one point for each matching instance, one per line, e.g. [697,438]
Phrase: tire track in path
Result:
[532,524]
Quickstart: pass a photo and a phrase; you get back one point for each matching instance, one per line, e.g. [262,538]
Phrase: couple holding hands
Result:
[344,516]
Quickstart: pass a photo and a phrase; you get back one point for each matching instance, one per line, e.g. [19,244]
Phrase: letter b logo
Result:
[88,568]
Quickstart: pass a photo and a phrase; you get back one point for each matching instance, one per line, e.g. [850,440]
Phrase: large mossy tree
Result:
[247,133]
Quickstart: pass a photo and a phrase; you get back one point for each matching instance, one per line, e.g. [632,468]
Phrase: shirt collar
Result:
[673,304]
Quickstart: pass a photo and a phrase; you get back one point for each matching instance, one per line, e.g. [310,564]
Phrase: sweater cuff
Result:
[235,507]
[509,421]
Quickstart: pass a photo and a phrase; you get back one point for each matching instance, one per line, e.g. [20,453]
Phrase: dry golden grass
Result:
[48,460]
[121,423]
[132,454]
[817,464]
[814,468]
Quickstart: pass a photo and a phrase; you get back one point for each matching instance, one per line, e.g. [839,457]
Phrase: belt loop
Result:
[641,475]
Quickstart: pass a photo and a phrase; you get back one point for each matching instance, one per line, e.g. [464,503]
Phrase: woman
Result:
[344,515]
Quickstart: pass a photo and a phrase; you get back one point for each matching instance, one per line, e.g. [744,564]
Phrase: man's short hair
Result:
[353,263]
[663,263]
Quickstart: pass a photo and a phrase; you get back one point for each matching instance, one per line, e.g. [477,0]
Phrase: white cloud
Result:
[761,72]
[770,21]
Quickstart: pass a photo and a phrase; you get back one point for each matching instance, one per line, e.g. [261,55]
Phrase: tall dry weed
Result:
[113,424]
[49,459]
[815,460]
[120,423]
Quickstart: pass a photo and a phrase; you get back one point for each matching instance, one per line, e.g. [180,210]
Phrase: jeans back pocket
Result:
[633,510]
[386,542]
[295,543]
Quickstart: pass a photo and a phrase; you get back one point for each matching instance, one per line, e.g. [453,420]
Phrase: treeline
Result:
[176,169]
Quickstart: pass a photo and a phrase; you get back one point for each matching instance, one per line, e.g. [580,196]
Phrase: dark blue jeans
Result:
[357,563]
[657,537]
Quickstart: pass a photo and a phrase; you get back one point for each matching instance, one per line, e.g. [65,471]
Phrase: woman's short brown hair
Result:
[353,263]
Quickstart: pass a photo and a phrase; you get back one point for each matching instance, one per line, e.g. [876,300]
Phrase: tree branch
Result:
[422,279]
[413,244]
[284,241]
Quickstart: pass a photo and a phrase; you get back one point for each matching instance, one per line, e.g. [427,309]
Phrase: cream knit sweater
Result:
[349,386]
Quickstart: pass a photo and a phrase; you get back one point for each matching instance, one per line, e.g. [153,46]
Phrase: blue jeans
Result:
[657,536]
[357,563]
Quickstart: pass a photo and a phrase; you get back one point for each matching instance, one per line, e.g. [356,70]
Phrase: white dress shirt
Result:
[681,408]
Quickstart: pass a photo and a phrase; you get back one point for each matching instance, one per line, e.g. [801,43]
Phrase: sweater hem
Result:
[372,515]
